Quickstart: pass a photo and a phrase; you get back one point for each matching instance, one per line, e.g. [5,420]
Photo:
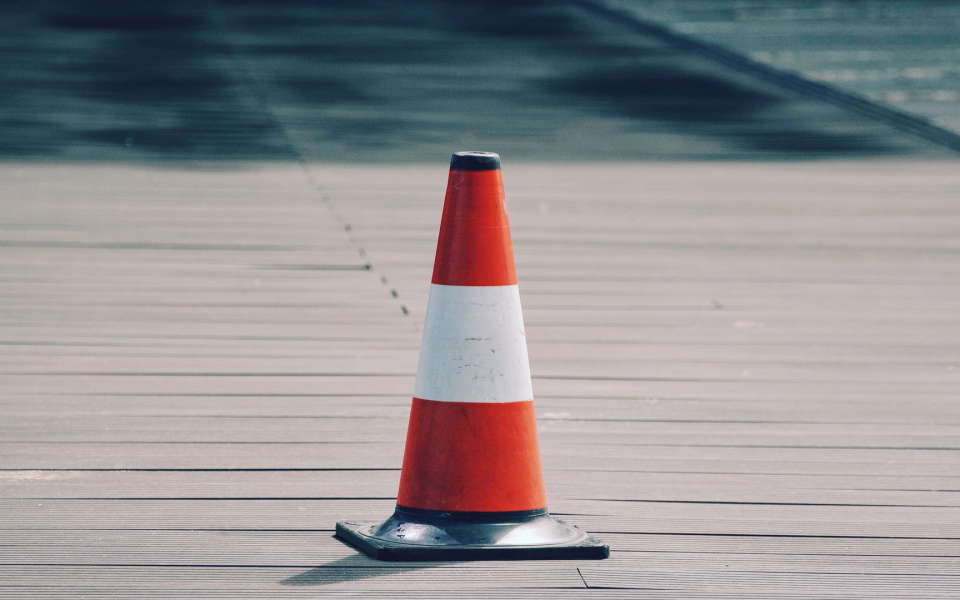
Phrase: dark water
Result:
[372,81]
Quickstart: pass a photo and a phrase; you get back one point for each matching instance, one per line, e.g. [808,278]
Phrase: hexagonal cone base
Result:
[380,540]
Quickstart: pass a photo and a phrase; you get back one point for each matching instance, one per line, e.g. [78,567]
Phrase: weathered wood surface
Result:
[747,377]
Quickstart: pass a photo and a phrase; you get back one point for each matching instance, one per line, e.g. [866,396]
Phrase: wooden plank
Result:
[170,425]
[737,489]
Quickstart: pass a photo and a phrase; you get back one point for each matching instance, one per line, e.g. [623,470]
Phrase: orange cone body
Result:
[472,441]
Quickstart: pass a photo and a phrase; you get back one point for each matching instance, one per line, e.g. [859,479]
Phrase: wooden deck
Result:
[747,377]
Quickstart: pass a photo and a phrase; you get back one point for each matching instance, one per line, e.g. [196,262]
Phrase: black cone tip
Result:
[475,161]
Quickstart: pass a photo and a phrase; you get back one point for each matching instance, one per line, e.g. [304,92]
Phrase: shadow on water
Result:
[669,95]
[710,103]
[353,568]
[370,80]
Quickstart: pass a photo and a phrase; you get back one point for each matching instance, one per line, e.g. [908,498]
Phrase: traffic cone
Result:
[471,486]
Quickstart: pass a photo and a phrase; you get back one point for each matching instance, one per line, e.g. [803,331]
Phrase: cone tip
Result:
[475,161]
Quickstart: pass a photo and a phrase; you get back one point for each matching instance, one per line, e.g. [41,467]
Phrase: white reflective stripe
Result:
[474,348]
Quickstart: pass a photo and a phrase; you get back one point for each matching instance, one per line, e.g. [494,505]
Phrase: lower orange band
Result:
[472,456]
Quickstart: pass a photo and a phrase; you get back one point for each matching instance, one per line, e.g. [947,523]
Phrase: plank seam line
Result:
[211,498]
[455,566]
[744,503]
[765,473]
[176,529]
[146,246]
[212,395]
[203,470]
[779,535]
[746,380]
[393,566]
[189,443]
[197,374]
[727,553]
[778,446]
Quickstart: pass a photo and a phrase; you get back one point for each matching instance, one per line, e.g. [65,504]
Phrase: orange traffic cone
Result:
[471,486]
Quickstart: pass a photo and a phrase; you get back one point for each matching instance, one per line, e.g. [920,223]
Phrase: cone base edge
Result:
[351,533]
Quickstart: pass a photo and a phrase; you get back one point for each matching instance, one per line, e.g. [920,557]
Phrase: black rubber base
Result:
[416,536]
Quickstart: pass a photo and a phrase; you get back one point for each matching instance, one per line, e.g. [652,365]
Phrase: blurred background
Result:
[362,81]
